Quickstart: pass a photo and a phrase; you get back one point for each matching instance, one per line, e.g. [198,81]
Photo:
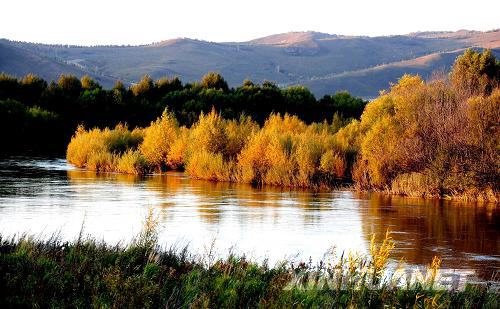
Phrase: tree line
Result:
[45,115]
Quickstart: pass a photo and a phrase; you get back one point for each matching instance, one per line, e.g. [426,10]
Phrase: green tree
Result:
[9,87]
[213,80]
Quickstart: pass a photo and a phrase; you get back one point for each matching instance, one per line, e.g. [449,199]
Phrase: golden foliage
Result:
[425,139]
[100,150]
[158,138]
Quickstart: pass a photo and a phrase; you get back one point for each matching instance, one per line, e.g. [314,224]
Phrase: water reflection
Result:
[43,196]
[464,235]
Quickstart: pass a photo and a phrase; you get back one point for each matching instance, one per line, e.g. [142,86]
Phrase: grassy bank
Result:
[88,273]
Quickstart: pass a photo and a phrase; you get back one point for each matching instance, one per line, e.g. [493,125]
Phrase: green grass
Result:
[87,273]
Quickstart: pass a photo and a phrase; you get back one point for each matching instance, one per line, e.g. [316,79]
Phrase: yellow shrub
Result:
[333,164]
[120,139]
[416,184]
[158,138]
[252,160]
[132,162]
[210,166]
[284,124]
[176,157]
[83,144]
[379,148]
[208,134]
[101,161]
[238,133]
[308,155]
[95,148]
[282,167]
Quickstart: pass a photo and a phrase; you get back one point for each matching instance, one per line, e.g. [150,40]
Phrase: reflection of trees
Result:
[89,177]
[425,228]
[211,197]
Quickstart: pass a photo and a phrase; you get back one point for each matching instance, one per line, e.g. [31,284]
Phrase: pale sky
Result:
[92,22]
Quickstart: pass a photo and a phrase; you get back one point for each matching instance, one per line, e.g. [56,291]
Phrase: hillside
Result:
[326,63]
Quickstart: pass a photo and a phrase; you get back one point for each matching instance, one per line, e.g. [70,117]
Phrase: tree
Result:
[70,85]
[213,80]
[144,87]
[9,87]
[32,88]
[89,84]
[344,104]
[475,73]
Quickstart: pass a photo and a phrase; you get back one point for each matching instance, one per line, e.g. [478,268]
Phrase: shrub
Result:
[308,155]
[208,134]
[333,164]
[132,162]
[253,162]
[83,144]
[419,138]
[416,184]
[237,133]
[176,157]
[158,139]
[430,139]
[98,149]
[210,166]
[101,161]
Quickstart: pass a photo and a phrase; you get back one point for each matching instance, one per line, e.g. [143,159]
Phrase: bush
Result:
[210,166]
[98,149]
[416,184]
[420,138]
[132,162]
[333,164]
[158,139]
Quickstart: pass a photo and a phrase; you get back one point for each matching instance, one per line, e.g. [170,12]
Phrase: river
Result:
[40,196]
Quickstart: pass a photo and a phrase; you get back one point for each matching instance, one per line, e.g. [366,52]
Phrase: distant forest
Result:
[42,116]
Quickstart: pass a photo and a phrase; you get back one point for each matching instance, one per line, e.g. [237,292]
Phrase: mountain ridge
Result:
[326,63]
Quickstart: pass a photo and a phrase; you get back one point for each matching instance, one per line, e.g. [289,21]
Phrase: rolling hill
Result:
[326,63]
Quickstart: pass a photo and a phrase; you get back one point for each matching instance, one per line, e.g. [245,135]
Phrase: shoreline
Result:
[87,272]
[347,185]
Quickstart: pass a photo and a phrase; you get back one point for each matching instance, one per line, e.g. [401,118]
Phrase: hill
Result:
[326,63]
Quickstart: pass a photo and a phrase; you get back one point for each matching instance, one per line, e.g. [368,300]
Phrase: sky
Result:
[101,22]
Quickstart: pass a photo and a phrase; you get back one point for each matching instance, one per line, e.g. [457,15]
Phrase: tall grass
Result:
[87,273]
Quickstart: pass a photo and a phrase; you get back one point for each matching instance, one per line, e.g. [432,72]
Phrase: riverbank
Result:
[88,273]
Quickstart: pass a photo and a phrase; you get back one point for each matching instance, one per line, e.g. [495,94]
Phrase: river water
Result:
[40,196]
